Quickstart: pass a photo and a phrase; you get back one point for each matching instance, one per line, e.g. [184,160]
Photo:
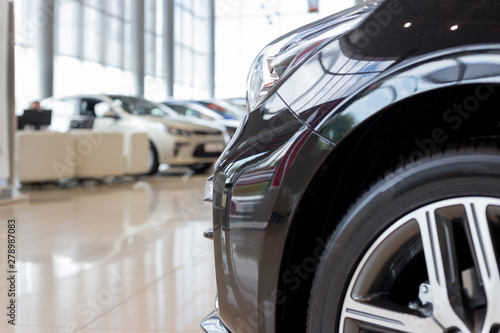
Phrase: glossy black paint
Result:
[285,149]
[357,63]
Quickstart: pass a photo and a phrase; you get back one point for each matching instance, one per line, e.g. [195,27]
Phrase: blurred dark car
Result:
[362,191]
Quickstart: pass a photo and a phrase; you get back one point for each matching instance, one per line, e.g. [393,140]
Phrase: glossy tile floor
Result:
[129,257]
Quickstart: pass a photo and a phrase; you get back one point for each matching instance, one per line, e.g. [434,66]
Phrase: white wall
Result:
[4,129]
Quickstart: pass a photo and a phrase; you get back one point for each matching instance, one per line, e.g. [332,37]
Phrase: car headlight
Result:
[178,131]
[277,60]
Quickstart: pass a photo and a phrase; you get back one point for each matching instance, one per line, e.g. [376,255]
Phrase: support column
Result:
[11,95]
[46,47]
[168,45]
[211,48]
[138,46]
[8,194]
[103,41]
[5,138]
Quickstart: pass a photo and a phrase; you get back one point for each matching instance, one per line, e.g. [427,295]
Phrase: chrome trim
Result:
[209,189]
[209,233]
[212,324]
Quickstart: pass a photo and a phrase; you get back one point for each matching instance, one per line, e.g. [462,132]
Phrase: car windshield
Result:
[139,106]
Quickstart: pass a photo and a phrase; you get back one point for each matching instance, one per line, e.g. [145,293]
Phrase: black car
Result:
[362,191]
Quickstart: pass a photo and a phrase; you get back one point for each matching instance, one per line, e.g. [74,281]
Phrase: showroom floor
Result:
[129,257]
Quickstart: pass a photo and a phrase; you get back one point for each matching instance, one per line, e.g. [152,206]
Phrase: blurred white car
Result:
[174,140]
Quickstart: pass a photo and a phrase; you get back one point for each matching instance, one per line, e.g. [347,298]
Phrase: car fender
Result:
[478,65]
[164,144]
[333,104]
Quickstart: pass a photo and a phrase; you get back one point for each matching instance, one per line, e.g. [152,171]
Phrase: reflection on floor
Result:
[123,258]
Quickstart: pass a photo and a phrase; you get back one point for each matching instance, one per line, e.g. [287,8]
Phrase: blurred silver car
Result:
[230,120]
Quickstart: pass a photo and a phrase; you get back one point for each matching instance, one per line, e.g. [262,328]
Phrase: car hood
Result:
[187,124]
[383,33]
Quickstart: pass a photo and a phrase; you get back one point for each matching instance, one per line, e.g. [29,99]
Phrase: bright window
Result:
[243,28]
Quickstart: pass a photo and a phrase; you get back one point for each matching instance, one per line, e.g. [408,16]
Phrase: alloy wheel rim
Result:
[434,270]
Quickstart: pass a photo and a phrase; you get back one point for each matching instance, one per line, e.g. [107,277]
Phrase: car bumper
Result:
[196,150]
[256,187]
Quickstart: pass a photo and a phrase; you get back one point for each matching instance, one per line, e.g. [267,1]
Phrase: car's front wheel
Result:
[419,252]
[153,163]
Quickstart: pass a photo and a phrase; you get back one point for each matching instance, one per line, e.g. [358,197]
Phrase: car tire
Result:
[200,167]
[153,163]
[383,270]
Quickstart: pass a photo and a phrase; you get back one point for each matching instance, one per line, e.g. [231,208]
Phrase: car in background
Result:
[226,109]
[174,140]
[196,110]
[240,102]
[362,191]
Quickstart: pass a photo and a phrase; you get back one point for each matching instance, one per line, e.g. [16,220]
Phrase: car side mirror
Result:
[104,110]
